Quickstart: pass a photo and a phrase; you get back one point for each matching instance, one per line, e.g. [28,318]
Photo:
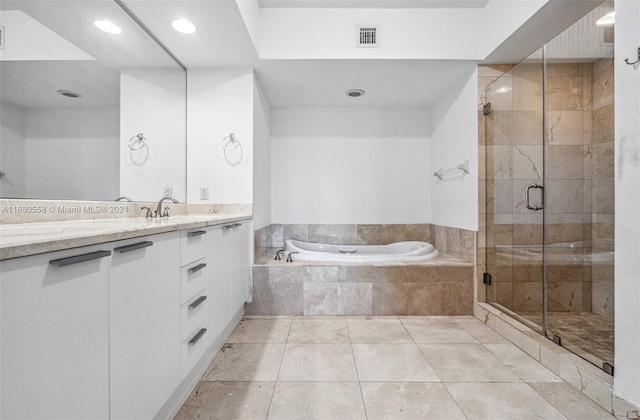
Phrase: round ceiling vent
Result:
[355,93]
[69,94]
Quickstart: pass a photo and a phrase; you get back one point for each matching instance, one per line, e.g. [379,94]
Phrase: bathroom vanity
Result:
[116,318]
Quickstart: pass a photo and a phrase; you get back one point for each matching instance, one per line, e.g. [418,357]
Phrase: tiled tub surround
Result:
[455,242]
[443,286]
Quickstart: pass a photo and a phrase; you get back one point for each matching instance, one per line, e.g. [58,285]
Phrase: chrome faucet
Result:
[148,215]
[159,213]
[278,257]
[123,198]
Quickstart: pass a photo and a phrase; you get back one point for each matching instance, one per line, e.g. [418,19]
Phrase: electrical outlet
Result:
[167,191]
[204,193]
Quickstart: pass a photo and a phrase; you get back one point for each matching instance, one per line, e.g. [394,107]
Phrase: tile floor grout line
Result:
[275,384]
[364,406]
[422,353]
[454,400]
[543,397]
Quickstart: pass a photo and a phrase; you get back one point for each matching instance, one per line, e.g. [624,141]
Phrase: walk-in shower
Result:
[548,131]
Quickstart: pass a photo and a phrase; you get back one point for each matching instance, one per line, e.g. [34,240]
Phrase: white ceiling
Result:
[375,4]
[34,83]
[387,83]
[222,40]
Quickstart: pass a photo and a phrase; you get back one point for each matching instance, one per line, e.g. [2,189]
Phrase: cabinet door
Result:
[55,338]
[145,324]
[219,280]
[239,244]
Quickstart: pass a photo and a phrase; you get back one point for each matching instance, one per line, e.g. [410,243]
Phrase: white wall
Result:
[71,153]
[220,102]
[152,102]
[454,139]
[303,33]
[503,17]
[261,159]
[627,209]
[350,165]
[12,151]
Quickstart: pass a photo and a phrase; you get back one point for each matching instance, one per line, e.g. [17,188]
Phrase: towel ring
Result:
[230,143]
[137,142]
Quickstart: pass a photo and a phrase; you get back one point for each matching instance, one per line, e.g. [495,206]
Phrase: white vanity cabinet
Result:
[119,330]
[228,249]
[195,270]
[55,335]
[144,339]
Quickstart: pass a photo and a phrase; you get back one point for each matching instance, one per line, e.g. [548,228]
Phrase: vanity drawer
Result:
[193,314]
[194,348]
[193,278]
[192,245]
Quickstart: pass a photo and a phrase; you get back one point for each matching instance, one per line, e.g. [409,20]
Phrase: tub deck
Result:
[443,286]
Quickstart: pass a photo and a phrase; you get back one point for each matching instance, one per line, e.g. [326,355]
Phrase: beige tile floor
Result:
[379,368]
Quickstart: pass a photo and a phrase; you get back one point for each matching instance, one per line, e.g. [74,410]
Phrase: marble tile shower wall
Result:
[440,287]
[510,139]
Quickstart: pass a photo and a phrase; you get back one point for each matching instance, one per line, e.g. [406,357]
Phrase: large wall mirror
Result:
[92,108]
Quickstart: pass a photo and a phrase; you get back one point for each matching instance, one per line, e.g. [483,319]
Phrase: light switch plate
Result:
[167,191]
[204,193]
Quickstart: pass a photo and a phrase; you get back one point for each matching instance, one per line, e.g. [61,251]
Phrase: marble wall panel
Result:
[499,162]
[389,298]
[355,298]
[602,160]
[527,127]
[602,124]
[564,127]
[527,162]
[603,82]
[320,298]
[565,162]
[564,296]
[564,93]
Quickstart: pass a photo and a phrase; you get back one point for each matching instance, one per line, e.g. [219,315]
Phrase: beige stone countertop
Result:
[22,239]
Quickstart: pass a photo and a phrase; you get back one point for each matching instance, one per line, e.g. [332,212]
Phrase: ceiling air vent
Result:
[368,36]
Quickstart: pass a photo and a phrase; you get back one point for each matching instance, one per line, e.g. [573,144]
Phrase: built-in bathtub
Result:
[406,251]
[425,282]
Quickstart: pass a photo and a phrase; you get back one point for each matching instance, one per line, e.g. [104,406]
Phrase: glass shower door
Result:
[579,214]
[514,184]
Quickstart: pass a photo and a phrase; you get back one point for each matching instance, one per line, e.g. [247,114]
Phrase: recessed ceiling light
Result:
[69,94]
[183,26]
[607,20]
[355,93]
[108,27]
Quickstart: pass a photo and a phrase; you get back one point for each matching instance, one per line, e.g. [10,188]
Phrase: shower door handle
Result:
[528,193]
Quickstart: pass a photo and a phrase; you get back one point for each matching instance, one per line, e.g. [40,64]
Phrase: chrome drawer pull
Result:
[197,337]
[61,262]
[197,302]
[196,233]
[197,268]
[133,247]
[227,227]
[237,224]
